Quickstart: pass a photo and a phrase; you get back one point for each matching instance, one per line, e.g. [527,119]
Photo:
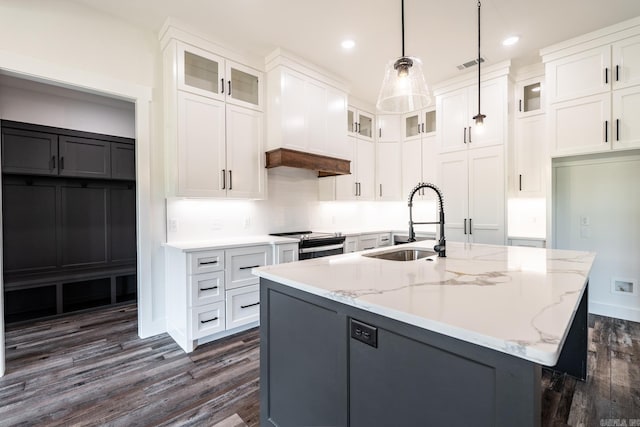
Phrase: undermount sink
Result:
[406,254]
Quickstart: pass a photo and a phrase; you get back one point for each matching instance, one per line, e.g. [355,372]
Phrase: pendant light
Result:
[403,87]
[479,118]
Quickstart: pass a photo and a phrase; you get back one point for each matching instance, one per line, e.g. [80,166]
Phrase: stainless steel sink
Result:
[406,254]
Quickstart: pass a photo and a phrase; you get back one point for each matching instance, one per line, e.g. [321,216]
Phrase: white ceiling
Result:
[443,33]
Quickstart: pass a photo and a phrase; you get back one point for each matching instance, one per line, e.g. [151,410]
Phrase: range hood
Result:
[324,165]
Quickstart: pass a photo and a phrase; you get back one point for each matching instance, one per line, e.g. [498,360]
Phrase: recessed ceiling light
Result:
[509,41]
[348,44]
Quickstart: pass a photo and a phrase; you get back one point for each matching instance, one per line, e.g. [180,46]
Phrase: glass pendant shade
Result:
[403,88]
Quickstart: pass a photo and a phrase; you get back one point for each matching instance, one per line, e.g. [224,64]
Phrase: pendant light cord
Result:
[402,13]
[479,57]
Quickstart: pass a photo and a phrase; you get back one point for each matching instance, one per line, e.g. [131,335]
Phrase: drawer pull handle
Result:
[249,267]
[210,320]
[250,305]
[207,262]
[209,289]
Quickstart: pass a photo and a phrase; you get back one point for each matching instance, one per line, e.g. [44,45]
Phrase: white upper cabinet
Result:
[214,123]
[626,62]
[581,74]
[389,127]
[210,164]
[360,184]
[625,129]
[388,167]
[472,183]
[529,152]
[201,151]
[530,97]
[305,114]
[456,127]
[204,73]
[360,124]
[594,92]
[581,125]
[388,171]
[244,153]
[420,123]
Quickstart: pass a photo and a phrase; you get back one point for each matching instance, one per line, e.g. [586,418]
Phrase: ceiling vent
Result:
[471,63]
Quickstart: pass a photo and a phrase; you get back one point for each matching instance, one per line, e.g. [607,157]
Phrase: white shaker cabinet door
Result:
[365,169]
[626,62]
[245,156]
[453,177]
[530,151]
[582,74]
[581,126]
[411,165]
[453,120]
[493,99]
[486,196]
[388,171]
[625,124]
[201,147]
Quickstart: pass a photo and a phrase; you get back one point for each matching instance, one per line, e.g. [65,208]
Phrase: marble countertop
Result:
[516,300]
[229,242]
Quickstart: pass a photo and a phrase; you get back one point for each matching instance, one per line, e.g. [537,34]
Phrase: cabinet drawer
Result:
[207,320]
[240,261]
[206,288]
[367,241]
[243,306]
[206,262]
[384,239]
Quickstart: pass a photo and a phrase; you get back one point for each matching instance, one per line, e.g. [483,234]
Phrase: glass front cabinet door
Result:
[530,97]
[206,74]
[360,124]
[419,123]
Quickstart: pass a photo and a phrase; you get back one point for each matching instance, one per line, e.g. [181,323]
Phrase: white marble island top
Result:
[516,300]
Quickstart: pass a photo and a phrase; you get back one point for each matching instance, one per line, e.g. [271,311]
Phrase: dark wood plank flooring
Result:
[92,369]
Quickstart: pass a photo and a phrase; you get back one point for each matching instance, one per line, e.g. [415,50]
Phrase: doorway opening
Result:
[68,200]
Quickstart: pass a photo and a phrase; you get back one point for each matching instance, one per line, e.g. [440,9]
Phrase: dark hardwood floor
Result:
[92,369]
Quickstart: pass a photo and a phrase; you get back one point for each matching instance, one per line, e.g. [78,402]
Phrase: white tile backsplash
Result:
[292,204]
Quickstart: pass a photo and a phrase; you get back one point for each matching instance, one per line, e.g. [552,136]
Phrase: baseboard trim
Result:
[616,311]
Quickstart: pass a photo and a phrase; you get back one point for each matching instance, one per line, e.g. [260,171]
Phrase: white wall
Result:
[33,102]
[597,208]
[68,44]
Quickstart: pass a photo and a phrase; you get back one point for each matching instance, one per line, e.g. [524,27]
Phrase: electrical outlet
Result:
[585,221]
[173,225]
[216,224]
[247,222]
[623,286]
[365,333]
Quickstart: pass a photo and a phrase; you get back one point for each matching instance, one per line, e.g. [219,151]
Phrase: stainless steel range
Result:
[316,245]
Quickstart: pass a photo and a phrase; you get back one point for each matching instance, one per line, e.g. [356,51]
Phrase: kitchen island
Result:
[359,341]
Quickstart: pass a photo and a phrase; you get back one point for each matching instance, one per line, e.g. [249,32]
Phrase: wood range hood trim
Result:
[324,165]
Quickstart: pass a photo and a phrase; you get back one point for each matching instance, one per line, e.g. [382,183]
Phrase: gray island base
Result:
[314,373]
[358,340]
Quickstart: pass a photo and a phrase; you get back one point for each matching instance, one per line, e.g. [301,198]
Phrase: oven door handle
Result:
[320,248]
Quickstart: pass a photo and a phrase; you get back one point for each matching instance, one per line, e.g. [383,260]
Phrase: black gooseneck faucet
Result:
[441,247]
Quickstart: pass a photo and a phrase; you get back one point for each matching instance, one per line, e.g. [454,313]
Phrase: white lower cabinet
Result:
[350,244]
[243,306]
[212,293]
[207,320]
[367,241]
